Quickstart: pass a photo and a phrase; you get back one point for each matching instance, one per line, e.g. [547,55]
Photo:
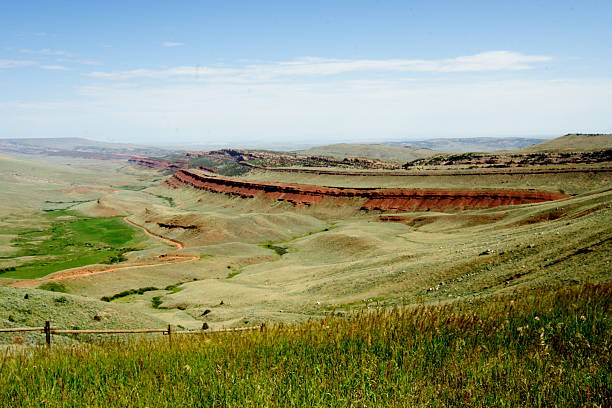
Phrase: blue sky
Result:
[294,71]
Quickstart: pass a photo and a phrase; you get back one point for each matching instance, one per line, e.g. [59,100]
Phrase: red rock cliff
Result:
[373,199]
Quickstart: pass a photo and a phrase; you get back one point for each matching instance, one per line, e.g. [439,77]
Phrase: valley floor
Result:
[228,261]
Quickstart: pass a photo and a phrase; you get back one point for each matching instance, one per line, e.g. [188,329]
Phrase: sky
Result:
[248,72]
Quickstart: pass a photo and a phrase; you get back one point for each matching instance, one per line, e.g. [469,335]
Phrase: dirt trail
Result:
[165,259]
[177,244]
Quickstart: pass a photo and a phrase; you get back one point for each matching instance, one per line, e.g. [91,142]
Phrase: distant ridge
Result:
[67,143]
[76,147]
[575,142]
[470,144]
[372,151]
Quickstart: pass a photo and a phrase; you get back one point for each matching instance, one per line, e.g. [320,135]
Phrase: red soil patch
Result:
[90,270]
[373,199]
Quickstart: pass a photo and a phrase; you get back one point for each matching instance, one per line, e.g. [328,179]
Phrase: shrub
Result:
[53,287]
[156,302]
[7,269]
[128,292]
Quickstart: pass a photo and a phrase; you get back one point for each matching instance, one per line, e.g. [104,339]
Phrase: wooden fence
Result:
[48,331]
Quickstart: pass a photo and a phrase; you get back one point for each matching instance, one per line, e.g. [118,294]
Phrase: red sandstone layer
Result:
[373,199]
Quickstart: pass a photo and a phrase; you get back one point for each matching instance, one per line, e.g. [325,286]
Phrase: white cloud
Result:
[309,98]
[176,72]
[310,66]
[172,44]
[88,62]
[47,51]
[79,61]
[4,64]
[55,67]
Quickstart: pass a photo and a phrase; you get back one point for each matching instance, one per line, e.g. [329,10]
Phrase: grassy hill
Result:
[574,142]
[538,349]
[32,307]
[373,151]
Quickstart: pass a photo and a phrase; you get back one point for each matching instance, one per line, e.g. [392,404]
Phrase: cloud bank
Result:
[47,52]
[340,111]
[311,66]
[319,100]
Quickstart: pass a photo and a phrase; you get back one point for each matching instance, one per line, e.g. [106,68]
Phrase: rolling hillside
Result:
[32,307]
[574,142]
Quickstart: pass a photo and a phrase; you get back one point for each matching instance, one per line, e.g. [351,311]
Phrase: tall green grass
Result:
[528,351]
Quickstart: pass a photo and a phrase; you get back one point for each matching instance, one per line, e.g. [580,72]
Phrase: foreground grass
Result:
[543,350]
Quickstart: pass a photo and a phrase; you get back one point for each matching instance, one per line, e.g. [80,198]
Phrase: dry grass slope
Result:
[543,349]
[32,307]
[574,142]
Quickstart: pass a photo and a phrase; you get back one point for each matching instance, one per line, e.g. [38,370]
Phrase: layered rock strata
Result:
[371,199]
[420,172]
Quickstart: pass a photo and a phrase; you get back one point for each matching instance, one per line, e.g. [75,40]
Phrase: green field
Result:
[66,240]
[541,349]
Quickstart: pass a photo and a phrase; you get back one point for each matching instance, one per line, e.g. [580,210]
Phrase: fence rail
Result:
[123,331]
[22,329]
[169,331]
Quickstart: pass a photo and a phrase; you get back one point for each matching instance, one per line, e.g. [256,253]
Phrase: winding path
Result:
[165,259]
[177,244]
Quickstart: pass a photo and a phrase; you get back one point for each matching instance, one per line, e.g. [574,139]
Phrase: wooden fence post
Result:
[48,333]
[170,334]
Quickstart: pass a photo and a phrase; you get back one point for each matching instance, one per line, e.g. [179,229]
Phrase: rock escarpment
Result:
[513,160]
[274,159]
[371,199]
[158,164]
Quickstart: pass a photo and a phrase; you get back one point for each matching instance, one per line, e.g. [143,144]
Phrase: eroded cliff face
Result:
[372,199]
[158,164]
[272,159]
